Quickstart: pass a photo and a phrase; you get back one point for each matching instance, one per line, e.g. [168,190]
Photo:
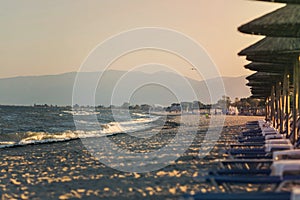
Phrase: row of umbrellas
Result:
[276,59]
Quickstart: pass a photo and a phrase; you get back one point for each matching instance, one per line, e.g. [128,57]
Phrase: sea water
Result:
[22,125]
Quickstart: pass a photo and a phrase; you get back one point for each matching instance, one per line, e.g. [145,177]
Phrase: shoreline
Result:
[65,170]
[170,123]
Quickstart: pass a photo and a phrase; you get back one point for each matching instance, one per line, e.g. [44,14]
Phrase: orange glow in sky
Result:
[53,37]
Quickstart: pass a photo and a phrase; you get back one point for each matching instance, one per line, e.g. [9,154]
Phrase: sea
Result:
[25,125]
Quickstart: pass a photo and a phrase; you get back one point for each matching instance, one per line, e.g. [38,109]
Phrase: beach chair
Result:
[253,156]
[287,155]
[289,161]
[292,194]
[259,163]
[260,138]
[282,171]
[237,172]
[285,167]
[263,183]
[275,171]
[260,144]
[260,152]
[241,196]
[245,164]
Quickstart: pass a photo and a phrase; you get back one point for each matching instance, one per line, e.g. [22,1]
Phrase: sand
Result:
[66,170]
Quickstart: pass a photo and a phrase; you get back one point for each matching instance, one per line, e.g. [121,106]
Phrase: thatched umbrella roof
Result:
[259,96]
[284,22]
[259,76]
[259,90]
[259,83]
[279,53]
[266,80]
[277,59]
[265,91]
[283,1]
[263,83]
[268,67]
[273,45]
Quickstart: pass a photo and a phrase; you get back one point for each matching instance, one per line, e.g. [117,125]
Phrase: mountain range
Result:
[116,87]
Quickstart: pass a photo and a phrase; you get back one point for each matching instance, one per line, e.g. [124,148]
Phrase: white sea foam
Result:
[130,126]
[31,137]
[140,114]
[81,112]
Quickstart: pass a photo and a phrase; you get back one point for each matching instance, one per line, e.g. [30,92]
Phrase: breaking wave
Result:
[108,129]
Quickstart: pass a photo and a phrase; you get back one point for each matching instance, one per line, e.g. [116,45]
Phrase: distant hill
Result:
[57,89]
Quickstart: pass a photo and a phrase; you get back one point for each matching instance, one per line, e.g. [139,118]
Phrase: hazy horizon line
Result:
[62,73]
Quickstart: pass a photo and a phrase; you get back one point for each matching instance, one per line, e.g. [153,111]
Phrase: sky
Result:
[53,37]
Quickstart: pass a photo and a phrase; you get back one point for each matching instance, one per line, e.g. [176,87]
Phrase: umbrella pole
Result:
[278,106]
[273,105]
[296,99]
[281,107]
[270,109]
[286,102]
[267,109]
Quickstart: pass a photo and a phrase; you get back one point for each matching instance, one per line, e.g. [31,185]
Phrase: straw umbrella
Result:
[264,76]
[268,67]
[266,83]
[259,84]
[284,22]
[283,1]
[286,51]
[274,92]
[275,46]
[264,95]
[275,59]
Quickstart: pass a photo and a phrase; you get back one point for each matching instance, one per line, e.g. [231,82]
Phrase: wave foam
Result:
[81,112]
[30,137]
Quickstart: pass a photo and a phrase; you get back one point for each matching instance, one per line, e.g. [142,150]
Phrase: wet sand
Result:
[66,170]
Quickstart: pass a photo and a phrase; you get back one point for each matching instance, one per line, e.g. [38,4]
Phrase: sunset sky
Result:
[52,37]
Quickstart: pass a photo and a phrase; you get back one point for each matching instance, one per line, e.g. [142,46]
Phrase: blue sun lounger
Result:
[259,138]
[255,152]
[250,144]
[252,139]
[251,132]
[254,156]
[240,196]
[246,164]
[247,151]
[258,151]
[247,179]
[259,144]
[247,172]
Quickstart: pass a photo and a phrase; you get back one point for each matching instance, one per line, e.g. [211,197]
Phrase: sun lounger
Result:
[274,180]
[254,156]
[236,172]
[260,138]
[294,194]
[287,154]
[241,196]
[283,167]
[257,144]
[257,162]
[245,164]
[282,171]
[260,151]
[247,145]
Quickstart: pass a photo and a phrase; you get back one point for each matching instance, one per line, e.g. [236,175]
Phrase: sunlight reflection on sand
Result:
[66,170]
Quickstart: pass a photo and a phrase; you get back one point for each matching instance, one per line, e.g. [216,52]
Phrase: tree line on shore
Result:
[225,104]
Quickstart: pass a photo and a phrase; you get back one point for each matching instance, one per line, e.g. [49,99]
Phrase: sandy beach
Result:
[66,170]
